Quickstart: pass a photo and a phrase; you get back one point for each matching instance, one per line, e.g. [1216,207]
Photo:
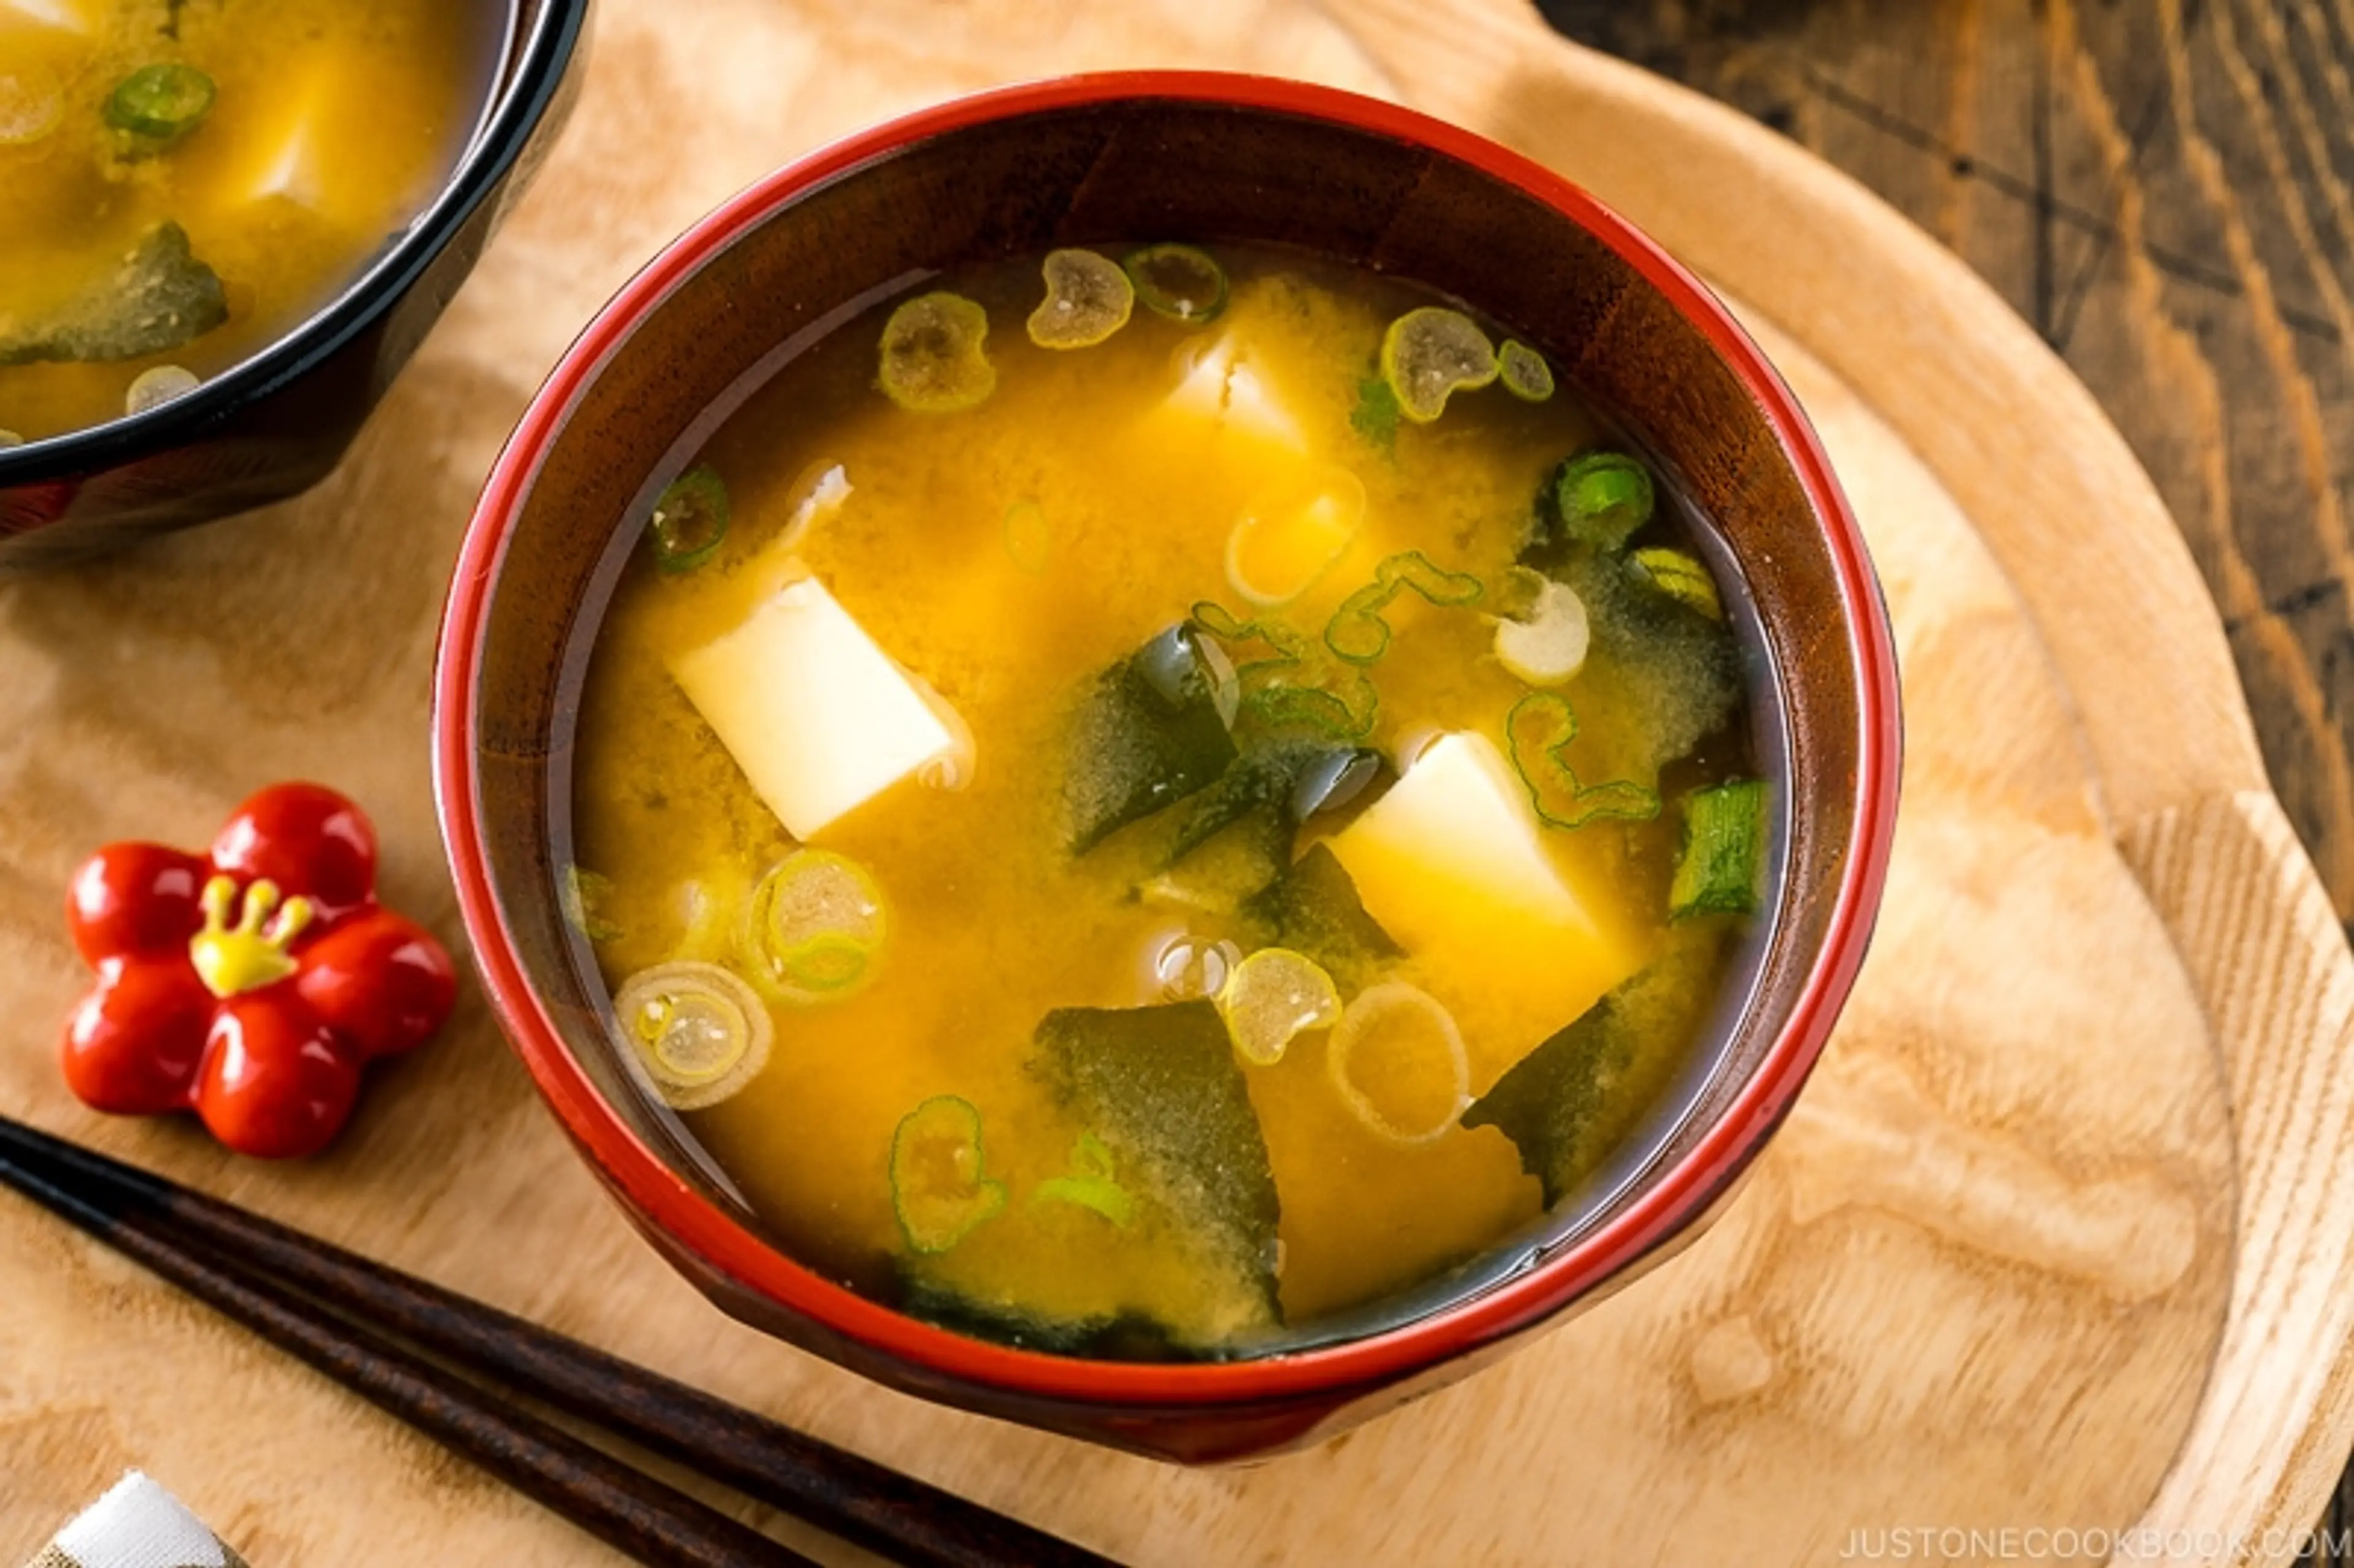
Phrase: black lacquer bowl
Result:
[277,423]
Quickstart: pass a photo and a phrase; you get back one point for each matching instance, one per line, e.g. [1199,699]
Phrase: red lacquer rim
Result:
[1674,1197]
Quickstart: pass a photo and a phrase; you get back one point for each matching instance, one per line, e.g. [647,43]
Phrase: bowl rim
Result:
[533,66]
[1679,1194]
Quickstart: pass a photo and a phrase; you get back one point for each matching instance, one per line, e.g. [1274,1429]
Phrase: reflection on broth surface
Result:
[182,181]
[1142,808]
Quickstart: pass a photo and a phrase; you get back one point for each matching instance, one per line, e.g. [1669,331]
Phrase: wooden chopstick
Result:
[619,1505]
[240,1263]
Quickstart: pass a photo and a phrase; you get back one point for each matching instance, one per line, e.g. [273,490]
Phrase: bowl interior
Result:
[1125,170]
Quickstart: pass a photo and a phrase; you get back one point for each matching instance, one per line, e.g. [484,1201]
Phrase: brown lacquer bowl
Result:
[1102,160]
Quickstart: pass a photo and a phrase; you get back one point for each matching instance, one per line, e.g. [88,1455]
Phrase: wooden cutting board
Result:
[2059,1237]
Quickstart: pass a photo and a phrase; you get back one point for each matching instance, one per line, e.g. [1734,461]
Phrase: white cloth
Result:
[137,1524]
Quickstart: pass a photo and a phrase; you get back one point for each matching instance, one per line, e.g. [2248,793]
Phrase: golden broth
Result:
[1007,554]
[330,127]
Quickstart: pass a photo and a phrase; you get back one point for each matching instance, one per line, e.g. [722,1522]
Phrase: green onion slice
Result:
[1523,372]
[1721,868]
[813,927]
[1540,728]
[1546,644]
[938,1187]
[160,103]
[1272,997]
[1681,578]
[935,355]
[700,1033]
[1603,498]
[581,898]
[1376,415]
[1398,1062]
[1357,631]
[1092,1183]
[690,520]
[1177,282]
[1088,298]
[1429,354]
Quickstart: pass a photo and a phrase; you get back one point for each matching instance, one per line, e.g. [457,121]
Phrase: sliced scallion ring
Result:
[1398,1062]
[1271,998]
[813,927]
[1088,298]
[1429,354]
[1523,372]
[1179,281]
[1681,578]
[160,103]
[700,1033]
[935,356]
[690,520]
[939,1189]
[1603,497]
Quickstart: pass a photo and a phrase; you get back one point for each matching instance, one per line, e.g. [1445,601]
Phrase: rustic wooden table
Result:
[2164,189]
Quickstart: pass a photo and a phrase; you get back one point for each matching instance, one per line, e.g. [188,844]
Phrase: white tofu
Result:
[817,715]
[83,18]
[1451,863]
[320,144]
[1225,393]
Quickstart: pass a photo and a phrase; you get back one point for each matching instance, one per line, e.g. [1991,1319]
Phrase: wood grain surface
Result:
[2163,189]
[2055,1169]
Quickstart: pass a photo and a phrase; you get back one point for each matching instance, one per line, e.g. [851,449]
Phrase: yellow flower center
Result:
[232,961]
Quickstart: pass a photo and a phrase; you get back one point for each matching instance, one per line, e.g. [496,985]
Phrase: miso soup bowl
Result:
[1109,159]
[277,422]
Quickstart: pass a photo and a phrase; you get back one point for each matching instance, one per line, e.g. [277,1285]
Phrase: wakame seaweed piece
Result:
[1148,734]
[1179,281]
[1601,498]
[1377,413]
[1285,706]
[1123,1336]
[1358,633]
[1313,908]
[1159,1087]
[1568,1103]
[1681,671]
[159,298]
[1538,731]
[1291,781]
[1721,868]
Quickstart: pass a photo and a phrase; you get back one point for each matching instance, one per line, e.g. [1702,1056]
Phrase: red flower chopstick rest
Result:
[250,985]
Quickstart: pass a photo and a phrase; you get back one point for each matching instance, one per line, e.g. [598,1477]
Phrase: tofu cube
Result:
[83,18]
[817,715]
[1452,865]
[1224,394]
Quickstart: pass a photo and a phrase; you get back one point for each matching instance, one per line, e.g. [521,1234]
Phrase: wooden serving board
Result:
[2061,1237]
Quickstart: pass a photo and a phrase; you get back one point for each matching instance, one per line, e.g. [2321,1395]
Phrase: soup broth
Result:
[1144,801]
[182,181]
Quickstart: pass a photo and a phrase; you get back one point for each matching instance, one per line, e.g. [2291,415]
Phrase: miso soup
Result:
[183,181]
[1155,801]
